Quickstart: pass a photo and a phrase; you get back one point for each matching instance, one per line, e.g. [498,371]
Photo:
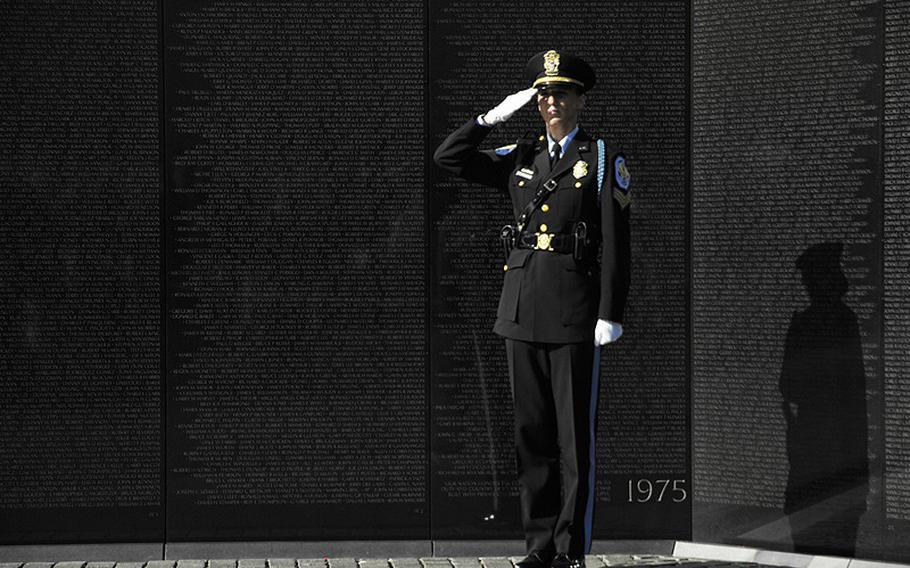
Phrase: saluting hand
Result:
[505,109]
[606,332]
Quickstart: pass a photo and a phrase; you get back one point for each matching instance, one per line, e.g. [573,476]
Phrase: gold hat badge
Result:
[551,63]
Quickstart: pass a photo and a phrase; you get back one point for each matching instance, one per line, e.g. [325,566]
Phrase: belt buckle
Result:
[550,185]
[544,241]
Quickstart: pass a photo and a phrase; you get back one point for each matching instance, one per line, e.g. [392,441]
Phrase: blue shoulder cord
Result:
[600,167]
[595,378]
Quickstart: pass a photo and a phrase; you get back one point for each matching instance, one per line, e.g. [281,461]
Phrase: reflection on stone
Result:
[823,384]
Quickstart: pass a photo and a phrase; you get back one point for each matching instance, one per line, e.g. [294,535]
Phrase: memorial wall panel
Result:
[80,294]
[896,157]
[296,270]
[478,52]
[786,260]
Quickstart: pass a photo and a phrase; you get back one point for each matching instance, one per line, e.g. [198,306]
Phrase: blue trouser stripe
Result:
[589,507]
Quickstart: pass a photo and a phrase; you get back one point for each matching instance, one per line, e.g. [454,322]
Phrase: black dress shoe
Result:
[563,560]
[535,559]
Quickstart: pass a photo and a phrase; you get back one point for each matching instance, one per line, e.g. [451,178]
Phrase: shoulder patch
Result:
[621,173]
[622,181]
[505,150]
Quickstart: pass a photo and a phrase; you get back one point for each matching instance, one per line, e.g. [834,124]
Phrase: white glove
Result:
[606,332]
[508,106]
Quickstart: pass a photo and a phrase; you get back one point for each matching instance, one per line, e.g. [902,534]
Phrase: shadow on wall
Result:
[823,383]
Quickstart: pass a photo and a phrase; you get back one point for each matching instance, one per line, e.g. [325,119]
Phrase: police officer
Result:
[566,278]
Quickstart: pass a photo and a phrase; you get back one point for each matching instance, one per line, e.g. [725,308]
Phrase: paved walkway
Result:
[593,561]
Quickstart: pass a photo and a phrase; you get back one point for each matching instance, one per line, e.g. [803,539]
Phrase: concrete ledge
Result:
[800,560]
[477,548]
[685,549]
[300,549]
[138,552]
[873,564]
[731,553]
[661,547]
[511,548]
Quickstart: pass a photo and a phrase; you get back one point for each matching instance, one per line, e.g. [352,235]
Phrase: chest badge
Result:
[580,169]
[525,173]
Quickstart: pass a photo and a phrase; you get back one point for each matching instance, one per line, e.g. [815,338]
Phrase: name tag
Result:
[525,173]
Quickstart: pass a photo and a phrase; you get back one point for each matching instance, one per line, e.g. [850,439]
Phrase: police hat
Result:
[551,68]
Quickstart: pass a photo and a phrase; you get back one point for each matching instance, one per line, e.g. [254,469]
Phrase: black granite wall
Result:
[80,314]
[799,273]
[240,303]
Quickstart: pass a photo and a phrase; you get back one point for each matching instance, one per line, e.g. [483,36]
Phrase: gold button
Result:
[505,267]
[577,184]
[541,137]
[543,228]
[544,207]
[521,183]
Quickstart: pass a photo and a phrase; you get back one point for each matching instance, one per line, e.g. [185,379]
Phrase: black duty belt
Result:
[576,243]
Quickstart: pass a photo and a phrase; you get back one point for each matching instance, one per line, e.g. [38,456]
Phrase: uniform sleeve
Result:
[459,154]
[616,198]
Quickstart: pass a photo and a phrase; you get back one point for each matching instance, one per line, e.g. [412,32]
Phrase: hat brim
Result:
[557,80]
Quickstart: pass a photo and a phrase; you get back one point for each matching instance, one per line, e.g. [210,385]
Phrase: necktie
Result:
[555,156]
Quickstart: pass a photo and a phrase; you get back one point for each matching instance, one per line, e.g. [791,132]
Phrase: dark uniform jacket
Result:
[550,296]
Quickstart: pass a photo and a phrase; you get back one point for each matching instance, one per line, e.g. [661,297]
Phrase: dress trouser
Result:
[554,391]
